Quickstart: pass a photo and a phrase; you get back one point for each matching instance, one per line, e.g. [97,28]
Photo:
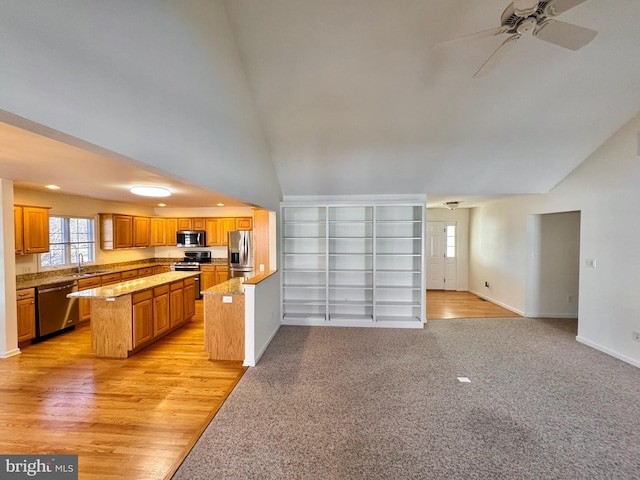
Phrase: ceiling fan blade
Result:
[497,56]
[524,8]
[564,34]
[472,36]
[558,7]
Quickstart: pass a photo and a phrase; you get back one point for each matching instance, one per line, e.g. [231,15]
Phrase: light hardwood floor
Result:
[451,304]
[126,419]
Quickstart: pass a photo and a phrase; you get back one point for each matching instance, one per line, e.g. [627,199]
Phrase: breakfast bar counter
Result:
[129,316]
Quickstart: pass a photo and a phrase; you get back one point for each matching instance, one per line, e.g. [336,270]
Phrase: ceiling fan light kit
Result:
[531,17]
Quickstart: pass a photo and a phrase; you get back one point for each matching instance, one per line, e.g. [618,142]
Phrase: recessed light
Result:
[52,187]
[220,204]
[162,204]
[150,191]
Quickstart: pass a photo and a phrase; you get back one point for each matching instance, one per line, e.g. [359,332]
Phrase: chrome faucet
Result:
[80,260]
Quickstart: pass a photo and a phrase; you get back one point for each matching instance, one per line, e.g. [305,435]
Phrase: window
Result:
[68,238]
[451,241]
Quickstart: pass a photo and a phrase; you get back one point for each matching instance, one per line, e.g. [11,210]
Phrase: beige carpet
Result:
[340,403]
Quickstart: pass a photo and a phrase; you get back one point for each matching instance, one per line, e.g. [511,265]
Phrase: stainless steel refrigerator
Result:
[240,254]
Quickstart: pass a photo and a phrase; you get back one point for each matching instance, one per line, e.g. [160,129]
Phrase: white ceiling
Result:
[353,100]
[33,160]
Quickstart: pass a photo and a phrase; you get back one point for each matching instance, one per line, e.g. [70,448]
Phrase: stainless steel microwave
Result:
[191,238]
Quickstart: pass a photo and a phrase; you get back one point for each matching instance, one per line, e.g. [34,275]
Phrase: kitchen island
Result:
[230,318]
[129,316]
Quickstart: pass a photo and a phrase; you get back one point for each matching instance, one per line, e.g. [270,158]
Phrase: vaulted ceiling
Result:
[354,99]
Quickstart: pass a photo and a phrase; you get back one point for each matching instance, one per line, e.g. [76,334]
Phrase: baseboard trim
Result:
[608,351]
[503,305]
[12,353]
[572,316]
[256,359]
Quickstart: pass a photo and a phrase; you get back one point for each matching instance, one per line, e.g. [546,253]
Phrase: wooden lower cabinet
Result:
[161,269]
[176,303]
[211,275]
[129,275]
[142,313]
[26,309]
[161,322]
[111,278]
[84,304]
[145,272]
[189,292]
[222,273]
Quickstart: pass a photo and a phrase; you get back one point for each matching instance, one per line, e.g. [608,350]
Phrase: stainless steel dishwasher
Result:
[56,312]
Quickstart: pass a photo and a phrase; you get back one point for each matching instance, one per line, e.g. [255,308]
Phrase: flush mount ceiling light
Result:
[150,191]
[452,205]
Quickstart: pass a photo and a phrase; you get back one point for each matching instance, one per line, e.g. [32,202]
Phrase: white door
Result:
[450,256]
[435,255]
[442,264]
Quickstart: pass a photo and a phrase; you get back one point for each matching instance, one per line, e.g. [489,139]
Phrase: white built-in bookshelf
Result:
[353,265]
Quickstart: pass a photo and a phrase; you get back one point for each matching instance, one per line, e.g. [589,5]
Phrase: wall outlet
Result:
[262,267]
[590,262]
[486,284]
[636,335]
[570,299]
[26,269]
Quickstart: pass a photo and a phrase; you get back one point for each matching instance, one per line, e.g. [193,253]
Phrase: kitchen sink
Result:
[89,274]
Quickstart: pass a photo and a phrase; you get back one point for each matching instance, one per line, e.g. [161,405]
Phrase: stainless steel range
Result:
[191,263]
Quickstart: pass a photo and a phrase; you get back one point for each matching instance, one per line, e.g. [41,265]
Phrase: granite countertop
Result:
[49,278]
[230,287]
[132,286]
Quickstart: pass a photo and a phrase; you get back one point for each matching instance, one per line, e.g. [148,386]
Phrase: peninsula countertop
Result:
[233,286]
[133,286]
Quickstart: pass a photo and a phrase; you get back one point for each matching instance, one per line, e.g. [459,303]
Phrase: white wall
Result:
[262,317]
[8,310]
[605,190]
[461,217]
[158,82]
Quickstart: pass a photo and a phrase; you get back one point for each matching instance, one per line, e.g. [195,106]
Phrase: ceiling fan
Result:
[531,17]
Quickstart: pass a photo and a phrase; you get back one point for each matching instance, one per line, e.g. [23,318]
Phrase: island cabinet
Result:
[161,322]
[26,305]
[131,315]
[177,303]
[189,297]
[31,227]
[84,304]
[142,317]
[224,320]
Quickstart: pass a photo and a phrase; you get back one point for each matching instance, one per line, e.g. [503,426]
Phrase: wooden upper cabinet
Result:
[212,232]
[116,231]
[244,223]
[31,226]
[198,223]
[226,225]
[18,228]
[184,224]
[158,232]
[141,231]
[170,229]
